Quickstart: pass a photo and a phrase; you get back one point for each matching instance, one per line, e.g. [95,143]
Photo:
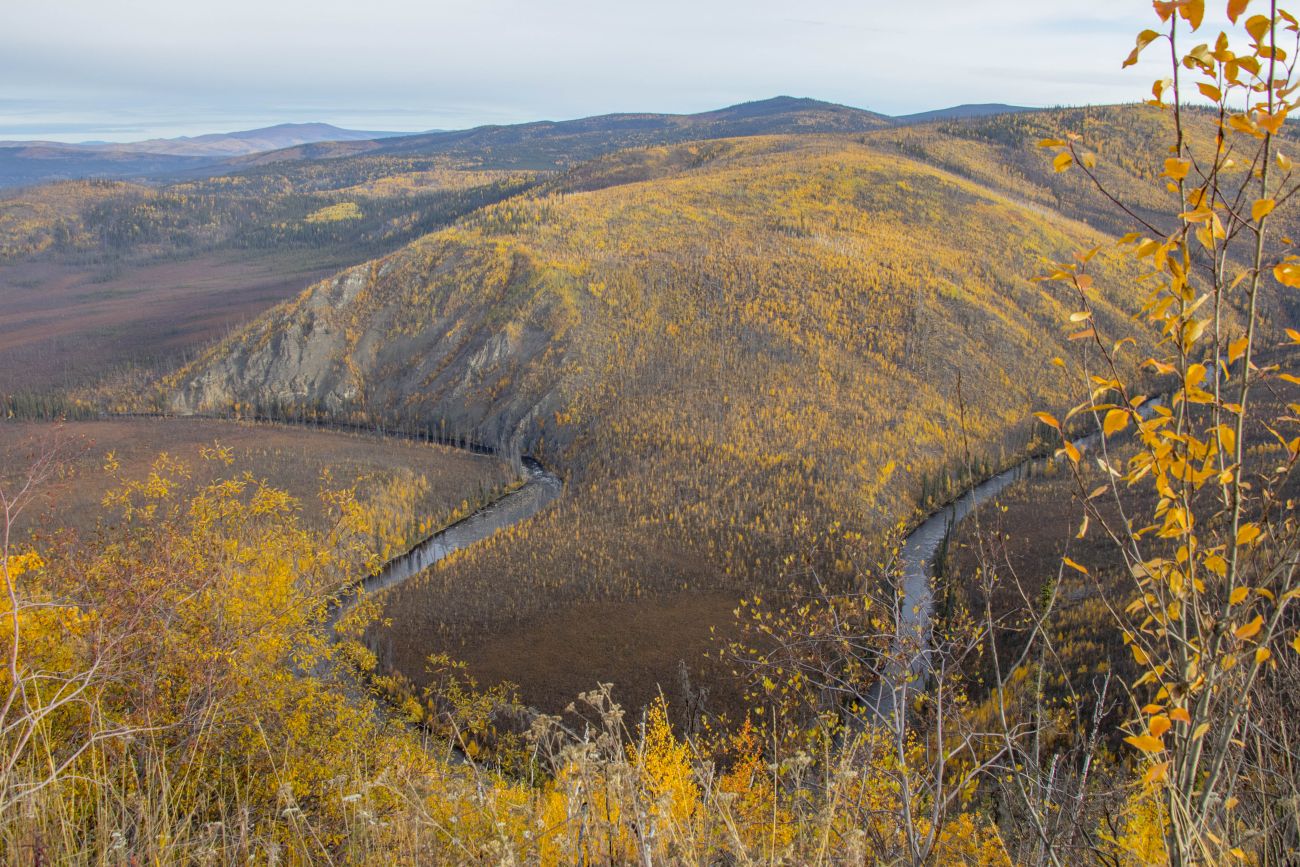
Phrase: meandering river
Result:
[912,644]
[540,488]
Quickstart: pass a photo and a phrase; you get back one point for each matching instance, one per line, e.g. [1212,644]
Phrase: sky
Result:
[123,70]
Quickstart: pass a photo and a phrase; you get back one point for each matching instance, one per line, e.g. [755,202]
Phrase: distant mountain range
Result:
[222,144]
[555,144]
[538,145]
[23,163]
[961,112]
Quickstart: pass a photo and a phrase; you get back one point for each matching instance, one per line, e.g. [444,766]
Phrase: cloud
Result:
[68,128]
[168,66]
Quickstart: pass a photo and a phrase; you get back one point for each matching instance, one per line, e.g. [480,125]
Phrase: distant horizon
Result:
[190,136]
[138,134]
[131,70]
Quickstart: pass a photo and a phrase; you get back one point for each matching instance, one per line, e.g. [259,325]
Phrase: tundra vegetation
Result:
[756,362]
[409,488]
[702,351]
[98,274]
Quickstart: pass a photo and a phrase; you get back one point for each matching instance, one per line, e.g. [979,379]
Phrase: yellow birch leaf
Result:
[1287,273]
[1272,122]
[1176,168]
[1146,743]
[1159,725]
[1257,26]
[1145,38]
[1116,421]
[1247,534]
[1242,123]
[1206,237]
[1156,773]
[1261,209]
[1063,161]
[1236,597]
[1251,629]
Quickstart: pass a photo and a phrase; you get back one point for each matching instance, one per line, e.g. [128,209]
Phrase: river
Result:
[540,488]
[911,650]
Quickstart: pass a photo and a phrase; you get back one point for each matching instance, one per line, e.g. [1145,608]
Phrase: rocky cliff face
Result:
[442,335]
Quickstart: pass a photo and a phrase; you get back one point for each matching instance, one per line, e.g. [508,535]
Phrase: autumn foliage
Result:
[757,362]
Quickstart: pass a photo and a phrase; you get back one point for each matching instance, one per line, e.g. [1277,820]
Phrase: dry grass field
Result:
[411,486]
[62,325]
[641,646]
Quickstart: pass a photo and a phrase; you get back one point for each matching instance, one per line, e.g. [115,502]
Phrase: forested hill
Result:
[731,347]
[555,144]
[475,325]
[540,145]
[32,162]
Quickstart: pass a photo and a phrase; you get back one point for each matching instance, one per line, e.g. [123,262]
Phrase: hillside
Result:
[216,144]
[96,275]
[547,145]
[1000,151]
[961,112]
[747,359]
[143,271]
[24,163]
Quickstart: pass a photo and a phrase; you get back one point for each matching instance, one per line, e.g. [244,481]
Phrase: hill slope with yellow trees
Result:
[748,356]
[1001,152]
[752,360]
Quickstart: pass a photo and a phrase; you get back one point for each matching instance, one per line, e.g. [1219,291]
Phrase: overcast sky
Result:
[128,69]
